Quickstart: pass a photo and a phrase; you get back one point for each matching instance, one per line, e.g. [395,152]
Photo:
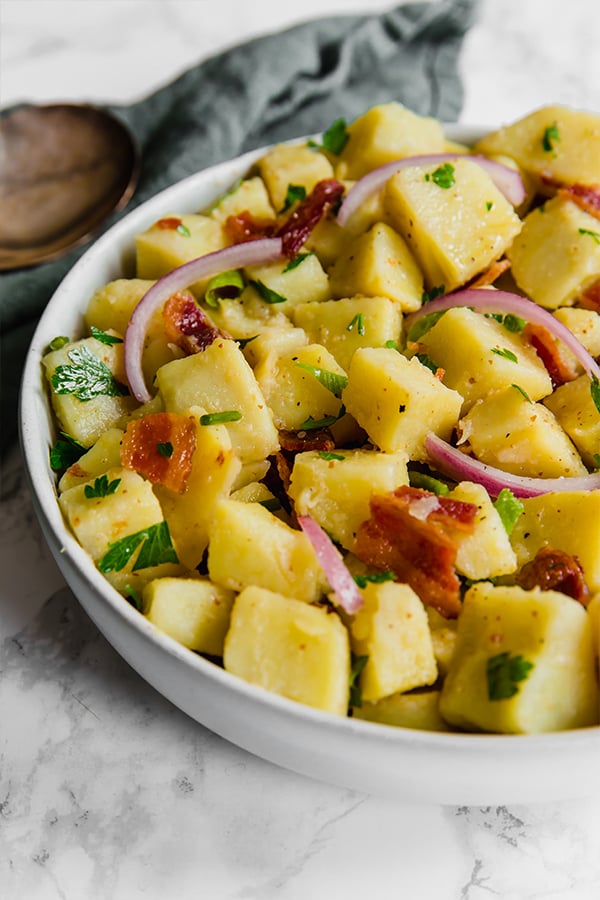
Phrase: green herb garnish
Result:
[595,391]
[330,380]
[155,545]
[295,194]
[511,322]
[132,596]
[243,342]
[550,137]
[165,449]
[311,424]
[505,354]
[358,664]
[101,487]
[374,578]
[428,483]
[597,460]
[103,337]
[426,361]
[65,452]
[220,418]
[268,295]
[86,378]
[504,673]
[423,325]
[509,508]
[522,392]
[438,291]
[184,230]
[357,322]
[226,286]
[334,139]
[327,454]
[57,343]
[295,261]
[271,503]
[489,204]
[595,235]
[443,176]
[391,345]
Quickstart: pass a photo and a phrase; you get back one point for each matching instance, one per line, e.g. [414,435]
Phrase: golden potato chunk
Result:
[288,647]
[292,164]
[574,408]
[192,611]
[419,709]
[487,552]
[174,240]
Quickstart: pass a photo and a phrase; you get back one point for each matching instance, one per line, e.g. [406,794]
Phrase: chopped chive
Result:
[220,418]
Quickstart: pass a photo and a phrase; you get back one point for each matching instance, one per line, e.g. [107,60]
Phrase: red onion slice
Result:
[505,302]
[507,180]
[250,253]
[341,581]
[460,467]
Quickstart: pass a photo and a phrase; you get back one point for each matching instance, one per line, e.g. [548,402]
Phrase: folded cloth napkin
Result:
[272,88]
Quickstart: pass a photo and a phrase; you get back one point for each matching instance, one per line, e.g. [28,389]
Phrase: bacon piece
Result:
[160,446]
[590,299]
[300,441]
[586,196]
[414,533]
[188,326]
[245,227]
[554,570]
[542,341]
[308,214]
[490,275]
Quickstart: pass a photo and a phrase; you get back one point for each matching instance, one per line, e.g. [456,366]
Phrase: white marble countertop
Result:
[108,791]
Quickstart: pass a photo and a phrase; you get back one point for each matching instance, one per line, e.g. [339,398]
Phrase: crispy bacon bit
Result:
[590,299]
[554,570]
[160,446]
[586,196]
[188,326]
[544,344]
[171,223]
[414,533]
[300,441]
[491,274]
[246,227]
[295,230]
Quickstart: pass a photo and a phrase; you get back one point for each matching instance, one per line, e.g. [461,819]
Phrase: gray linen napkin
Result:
[272,88]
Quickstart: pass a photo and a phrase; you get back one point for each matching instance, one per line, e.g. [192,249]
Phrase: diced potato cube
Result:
[220,380]
[487,552]
[251,546]
[385,133]
[477,355]
[192,611]
[510,432]
[378,264]
[174,240]
[415,710]
[342,326]
[560,143]
[556,256]
[295,393]
[247,316]
[335,489]
[251,472]
[454,231]
[392,630]
[565,520]
[86,420]
[585,325]
[250,195]
[215,467]
[100,522]
[292,164]
[300,284]
[112,305]
[523,663]
[257,492]
[573,406]
[399,401]
[102,456]
[290,648]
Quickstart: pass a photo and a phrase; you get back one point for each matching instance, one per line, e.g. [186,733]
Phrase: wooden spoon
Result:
[63,169]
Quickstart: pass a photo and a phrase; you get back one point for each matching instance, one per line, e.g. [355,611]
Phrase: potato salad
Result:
[340,432]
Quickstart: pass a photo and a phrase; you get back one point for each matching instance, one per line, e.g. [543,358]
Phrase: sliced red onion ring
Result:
[507,180]
[505,302]
[250,253]
[341,581]
[460,467]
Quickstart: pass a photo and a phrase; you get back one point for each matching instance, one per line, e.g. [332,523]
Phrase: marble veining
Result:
[107,791]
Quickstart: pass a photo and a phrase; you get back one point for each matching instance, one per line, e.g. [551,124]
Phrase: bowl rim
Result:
[65,547]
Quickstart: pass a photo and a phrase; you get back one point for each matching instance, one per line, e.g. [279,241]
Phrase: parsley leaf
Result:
[132,596]
[595,391]
[295,261]
[101,487]
[330,380]
[504,673]
[443,176]
[165,449]
[219,418]
[437,291]
[268,295]
[326,454]
[426,361]
[550,137]
[155,548]
[358,664]
[295,194]
[428,483]
[595,235]
[522,392]
[184,230]
[509,508]
[505,354]
[103,337]
[511,322]
[374,578]
[359,322]
[423,325]
[311,424]
[334,139]
[65,452]
[243,342]
[87,378]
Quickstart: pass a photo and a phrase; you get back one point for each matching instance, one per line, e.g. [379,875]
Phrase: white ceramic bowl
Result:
[393,762]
